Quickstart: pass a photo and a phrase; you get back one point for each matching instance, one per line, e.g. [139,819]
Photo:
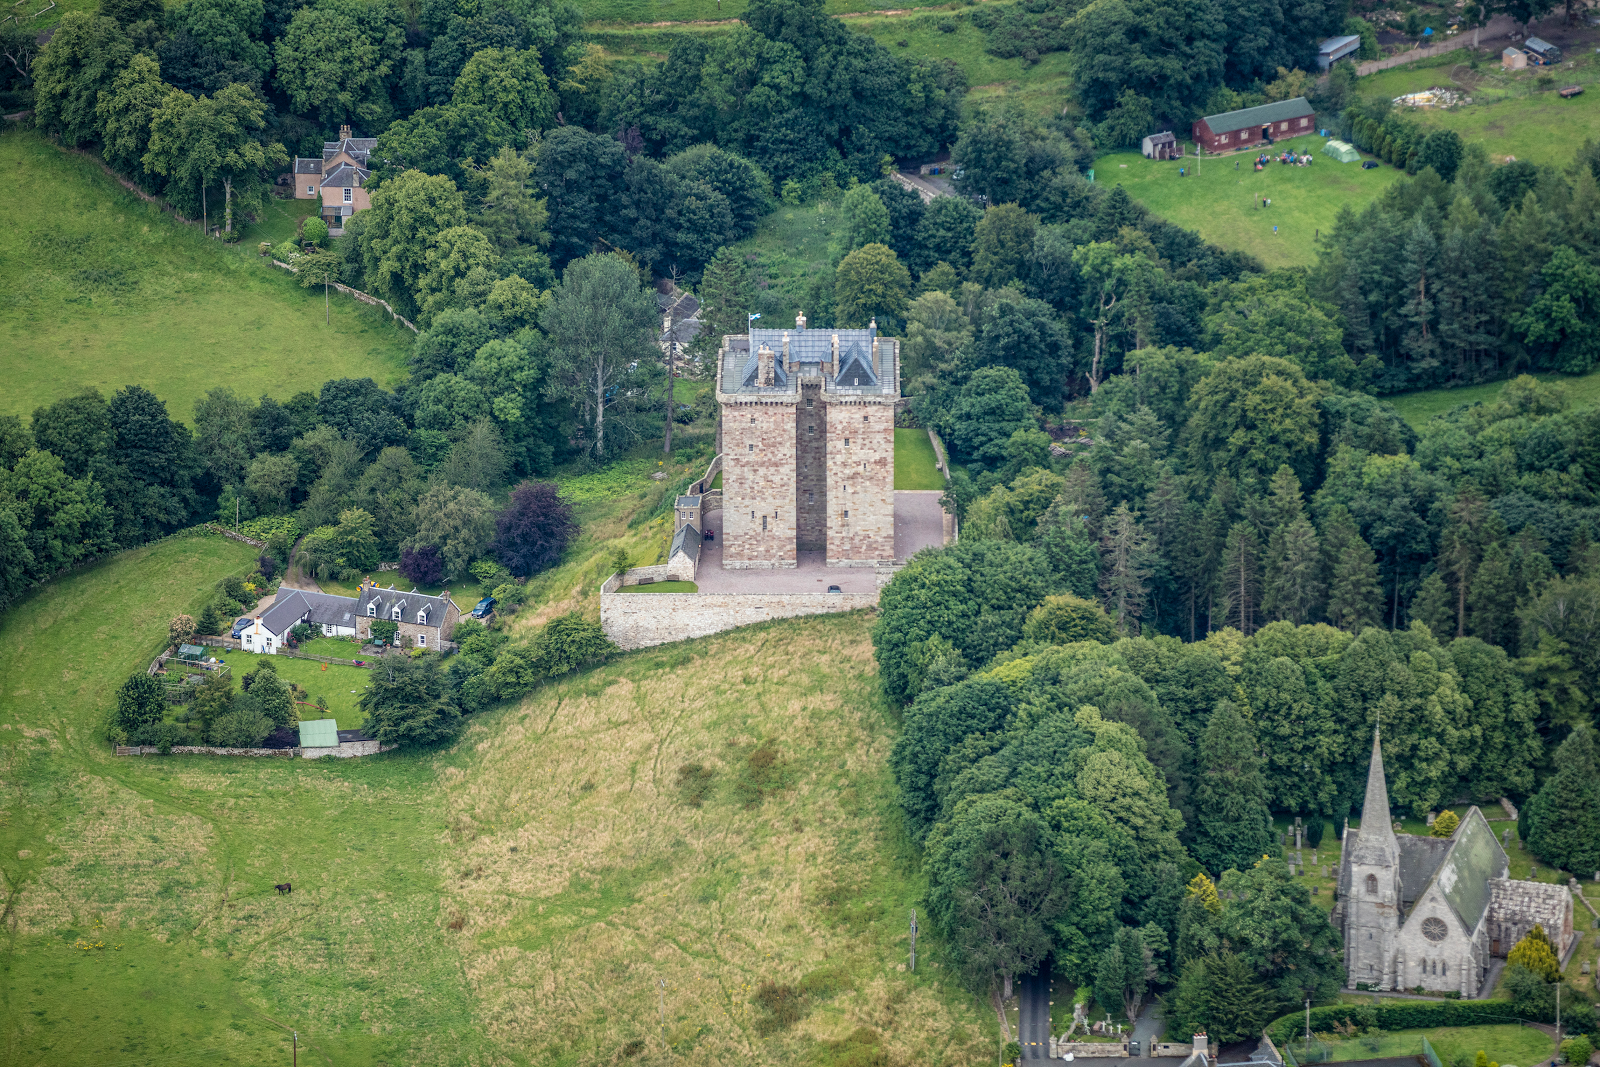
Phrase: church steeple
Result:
[1377,831]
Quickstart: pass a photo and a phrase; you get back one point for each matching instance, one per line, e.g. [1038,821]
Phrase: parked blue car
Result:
[239,627]
[484,609]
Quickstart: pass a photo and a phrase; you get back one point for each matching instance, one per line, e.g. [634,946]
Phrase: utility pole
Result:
[296,1034]
[913,939]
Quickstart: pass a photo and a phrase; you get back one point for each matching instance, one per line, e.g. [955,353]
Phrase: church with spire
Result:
[1432,912]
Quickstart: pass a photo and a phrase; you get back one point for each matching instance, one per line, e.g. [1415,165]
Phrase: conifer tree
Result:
[1492,602]
[1419,258]
[725,295]
[1233,824]
[1239,578]
[1564,823]
[1353,593]
[1199,913]
[1433,608]
[1125,560]
[1293,588]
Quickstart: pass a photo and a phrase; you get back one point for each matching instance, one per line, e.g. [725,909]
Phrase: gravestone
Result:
[1505,842]
[1431,817]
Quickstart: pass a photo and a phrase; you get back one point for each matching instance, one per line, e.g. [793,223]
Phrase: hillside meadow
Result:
[102,289]
[713,816]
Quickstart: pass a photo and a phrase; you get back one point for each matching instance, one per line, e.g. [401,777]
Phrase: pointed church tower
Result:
[1372,908]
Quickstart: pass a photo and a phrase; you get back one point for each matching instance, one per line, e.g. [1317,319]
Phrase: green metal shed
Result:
[319,733]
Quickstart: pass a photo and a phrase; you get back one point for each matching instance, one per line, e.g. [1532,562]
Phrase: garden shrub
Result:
[1406,1015]
[244,727]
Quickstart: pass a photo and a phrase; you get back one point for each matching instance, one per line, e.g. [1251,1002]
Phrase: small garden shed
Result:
[319,733]
[192,653]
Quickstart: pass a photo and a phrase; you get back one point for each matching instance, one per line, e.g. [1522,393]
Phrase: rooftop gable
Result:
[1229,121]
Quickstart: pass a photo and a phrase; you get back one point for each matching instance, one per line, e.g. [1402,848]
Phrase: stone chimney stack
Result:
[764,375]
[344,134]
[833,360]
[800,322]
[872,327]
[788,360]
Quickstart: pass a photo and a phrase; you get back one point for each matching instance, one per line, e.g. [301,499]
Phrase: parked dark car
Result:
[1369,164]
[485,608]
[239,627]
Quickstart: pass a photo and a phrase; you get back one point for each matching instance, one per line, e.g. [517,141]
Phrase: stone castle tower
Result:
[1373,906]
[808,446]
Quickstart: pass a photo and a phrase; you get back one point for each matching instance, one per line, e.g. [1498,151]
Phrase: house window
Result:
[372,610]
[422,617]
[1372,885]
[395,615]
[422,640]
[1305,122]
[349,195]
[311,190]
[1224,137]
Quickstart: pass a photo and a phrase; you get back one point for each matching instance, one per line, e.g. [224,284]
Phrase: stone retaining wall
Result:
[636,620]
[205,750]
[1092,1049]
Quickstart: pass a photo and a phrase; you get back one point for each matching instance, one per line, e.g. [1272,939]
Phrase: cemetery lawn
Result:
[513,899]
[1508,1043]
[103,290]
[915,462]
[1220,203]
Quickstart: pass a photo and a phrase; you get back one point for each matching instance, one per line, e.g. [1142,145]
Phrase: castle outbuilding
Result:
[1432,911]
[808,446]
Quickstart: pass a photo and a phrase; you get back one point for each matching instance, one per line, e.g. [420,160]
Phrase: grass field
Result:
[102,289]
[1508,1044]
[1220,202]
[513,900]
[1417,408]
[915,463]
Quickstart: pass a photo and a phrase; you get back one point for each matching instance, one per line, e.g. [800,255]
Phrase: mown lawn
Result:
[516,899]
[662,587]
[1508,1044]
[1221,202]
[101,289]
[915,462]
[341,686]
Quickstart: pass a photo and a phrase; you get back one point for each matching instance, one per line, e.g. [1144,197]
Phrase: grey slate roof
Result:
[342,175]
[1164,137]
[357,148]
[1474,858]
[1419,859]
[1229,121]
[305,605]
[307,166]
[1531,902]
[688,502]
[1335,44]
[687,541]
[809,349]
[410,603]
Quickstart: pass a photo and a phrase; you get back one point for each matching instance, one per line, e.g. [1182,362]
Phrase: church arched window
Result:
[1372,885]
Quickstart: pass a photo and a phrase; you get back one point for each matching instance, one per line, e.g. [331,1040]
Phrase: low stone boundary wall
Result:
[1171,1048]
[1092,1049]
[205,750]
[634,620]
[365,298]
[234,535]
[344,750]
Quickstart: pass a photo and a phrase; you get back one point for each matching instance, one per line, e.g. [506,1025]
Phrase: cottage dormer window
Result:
[372,609]
[395,615]
[422,617]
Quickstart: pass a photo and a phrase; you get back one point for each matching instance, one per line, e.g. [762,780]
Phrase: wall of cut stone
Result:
[811,457]
[640,621]
[758,483]
[860,480]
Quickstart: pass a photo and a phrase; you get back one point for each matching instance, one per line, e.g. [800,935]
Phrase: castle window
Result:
[763,522]
[863,418]
[1372,885]
[1444,969]
[811,498]
[847,442]
[752,420]
[751,447]
[847,513]
[811,429]
[809,403]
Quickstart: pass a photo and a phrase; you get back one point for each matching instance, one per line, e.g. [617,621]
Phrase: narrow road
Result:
[293,576]
[1033,1016]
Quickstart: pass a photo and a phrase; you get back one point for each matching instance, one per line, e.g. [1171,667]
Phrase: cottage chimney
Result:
[872,327]
[344,133]
[800,322]
[764,375]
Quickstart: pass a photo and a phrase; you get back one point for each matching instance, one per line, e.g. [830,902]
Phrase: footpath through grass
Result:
[102,289]
[1222,201]
[715,815]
